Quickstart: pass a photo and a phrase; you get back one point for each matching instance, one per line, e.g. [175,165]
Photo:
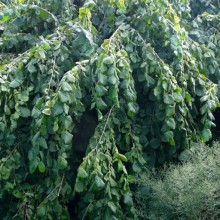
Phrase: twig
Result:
[17,58]
[60,187]
[53,69]
[86,210]
[3,4]
[100,139]
[113,35]
[103,21]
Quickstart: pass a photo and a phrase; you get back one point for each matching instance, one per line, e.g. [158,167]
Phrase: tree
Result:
[148,68]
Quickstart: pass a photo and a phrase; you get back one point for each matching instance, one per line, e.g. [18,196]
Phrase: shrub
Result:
[190,190]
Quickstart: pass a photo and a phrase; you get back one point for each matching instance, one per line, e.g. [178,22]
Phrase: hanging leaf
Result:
[41,167]
[206,135]
[25,112]
[82,173]
[62,162]
[15,83]
[108,60]
[47,111]
[99,182]
[67,137]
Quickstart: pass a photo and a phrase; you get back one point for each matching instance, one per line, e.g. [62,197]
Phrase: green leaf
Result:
[108,60]
[131,109]
[200,91]
[47,111]
[100,90]
[9,186]
[112,80]
[35,139]
[150,80]
[184,156]
[17,194]
[66,87]
[129,48]
[71,78]
[42,54]
[35,113]
[150,56]
[63,96]
[101,105]
[24,96]
[68,122]
[188,97]
[43,143]
[171,123]
[25,112]
[211,104]
[102,79]
[136,167]
[15,83]
[2,126]
[127,199]
[41,167]
[122,157]
[168,99]
[31,68]
[204,98]
[33,165]
[206,135]
[177,97]
[79,186]
[133,57]
[58,109]
[55,127]
[41,211]
[112,206]
[7,110]
[99,182]
[168,137]
[82,173]
[67,137]
[155,143]
[62,163]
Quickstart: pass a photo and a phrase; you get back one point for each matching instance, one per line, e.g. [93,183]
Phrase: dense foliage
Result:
[188,191]
[147,71]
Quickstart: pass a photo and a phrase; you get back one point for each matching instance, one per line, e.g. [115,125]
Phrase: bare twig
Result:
[100,139]
[3,4]
[60,186]
[113,35]
[86,210]
[53,69]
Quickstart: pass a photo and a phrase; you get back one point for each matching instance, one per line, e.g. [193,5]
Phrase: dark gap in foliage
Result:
[78,3]
[216,130]
[85,129]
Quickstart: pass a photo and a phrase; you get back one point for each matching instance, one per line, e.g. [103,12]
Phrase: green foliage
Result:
[149,70]
[210,6]
[186,191]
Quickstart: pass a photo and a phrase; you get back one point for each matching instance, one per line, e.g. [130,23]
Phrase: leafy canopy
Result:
[149,68]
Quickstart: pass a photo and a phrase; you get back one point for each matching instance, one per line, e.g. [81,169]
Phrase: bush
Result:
[186,191]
